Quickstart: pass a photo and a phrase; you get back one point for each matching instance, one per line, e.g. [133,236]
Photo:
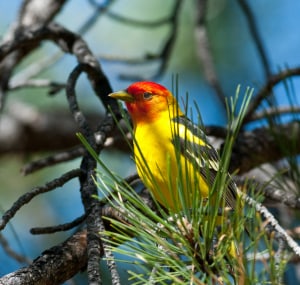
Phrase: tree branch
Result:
[264,92]
[27,197]
[246,8]
[263,145]
[204,50]
[54,266]
[32,15]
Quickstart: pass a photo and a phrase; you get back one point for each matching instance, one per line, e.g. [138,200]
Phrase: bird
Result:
[174,158]
[167,146]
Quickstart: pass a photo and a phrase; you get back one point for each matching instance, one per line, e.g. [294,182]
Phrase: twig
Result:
[103,7]
[274,112]
[53,86]
[34,69]
[99,8]
[165,53]
[132,178]
[204,50]
[256,36]
[261,145]
[58,228]
[169,45]
[27,197]
[32,15]
[25,129]
[70,43]
[270,191]
[74,108]
[16,256]
[139,23]
[282,233]
[52,160]
[110,260]
[263,93]
[21,78]
[113,213]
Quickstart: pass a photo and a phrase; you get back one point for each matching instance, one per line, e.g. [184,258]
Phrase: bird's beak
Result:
[122,95]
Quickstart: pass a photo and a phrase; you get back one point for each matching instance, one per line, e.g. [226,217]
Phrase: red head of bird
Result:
[146,101]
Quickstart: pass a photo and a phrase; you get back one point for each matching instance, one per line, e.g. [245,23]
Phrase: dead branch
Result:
[58,228]
[265,91]
[27,197]
[263,145]
[204,50]
[32,15]
[272,193]
[12,253]
[257,39]
[163,56]
[24,129]
[55,265]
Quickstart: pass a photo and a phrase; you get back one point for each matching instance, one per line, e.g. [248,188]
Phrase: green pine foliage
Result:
[194,245]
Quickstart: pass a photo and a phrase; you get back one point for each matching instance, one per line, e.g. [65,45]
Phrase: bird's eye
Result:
[147,95]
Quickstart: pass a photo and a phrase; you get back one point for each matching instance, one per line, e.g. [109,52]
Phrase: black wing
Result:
[202,154]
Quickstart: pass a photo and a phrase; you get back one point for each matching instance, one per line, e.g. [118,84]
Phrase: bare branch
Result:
[70,43]
[264,92]
[164,55]
[58,228]
[27,197]
[52,160]
[25,129]
[33,69]
[54,266]
[263,145]
[270,192]
[38,83]
[110,259]
[43,63]
[88,188]
[204,50]
[34,15]
[256,36]
[277,111]
[9,251]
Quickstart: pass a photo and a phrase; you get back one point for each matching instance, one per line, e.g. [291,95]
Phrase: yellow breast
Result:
[170,176]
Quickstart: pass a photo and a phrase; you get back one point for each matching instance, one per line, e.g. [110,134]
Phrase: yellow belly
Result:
[160,166]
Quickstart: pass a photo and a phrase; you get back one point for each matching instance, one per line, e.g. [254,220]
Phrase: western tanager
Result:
[170,151]
[159,125]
